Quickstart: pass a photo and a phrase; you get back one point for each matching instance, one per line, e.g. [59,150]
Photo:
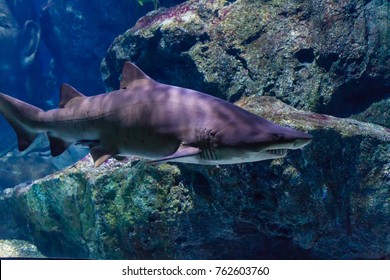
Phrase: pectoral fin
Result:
[183,151]
[100,154]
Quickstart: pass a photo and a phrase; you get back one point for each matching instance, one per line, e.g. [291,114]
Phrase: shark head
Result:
[265,141]
[276,142]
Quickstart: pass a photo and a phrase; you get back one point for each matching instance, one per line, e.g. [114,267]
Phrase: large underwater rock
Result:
[329,200]
[328,56]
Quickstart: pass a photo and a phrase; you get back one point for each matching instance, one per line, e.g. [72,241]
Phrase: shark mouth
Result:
[278,152]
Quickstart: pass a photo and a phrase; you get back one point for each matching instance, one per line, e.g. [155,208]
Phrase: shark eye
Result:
[277,136]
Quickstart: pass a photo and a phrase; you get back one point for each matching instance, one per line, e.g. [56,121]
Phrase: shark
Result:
[152,120]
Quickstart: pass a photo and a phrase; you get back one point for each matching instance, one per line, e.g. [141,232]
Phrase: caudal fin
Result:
[23,118]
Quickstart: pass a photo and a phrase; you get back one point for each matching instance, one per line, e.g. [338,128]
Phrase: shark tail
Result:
[23,117]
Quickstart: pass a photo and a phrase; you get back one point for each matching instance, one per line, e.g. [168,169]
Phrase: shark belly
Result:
[145,142]
[223,156]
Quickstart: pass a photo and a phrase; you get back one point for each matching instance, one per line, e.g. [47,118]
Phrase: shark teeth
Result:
[278,152]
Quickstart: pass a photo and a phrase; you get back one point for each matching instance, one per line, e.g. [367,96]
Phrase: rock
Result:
[331,57]
[329,200]
[18,249]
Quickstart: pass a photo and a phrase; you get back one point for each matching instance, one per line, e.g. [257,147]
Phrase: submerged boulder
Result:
[329,200]
[18,249]
[331,57]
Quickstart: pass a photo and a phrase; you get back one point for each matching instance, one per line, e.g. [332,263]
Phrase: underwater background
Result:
[321,66]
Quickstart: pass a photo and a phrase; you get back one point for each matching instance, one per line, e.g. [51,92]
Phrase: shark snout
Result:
[288,138]
[301,139]
[299,143]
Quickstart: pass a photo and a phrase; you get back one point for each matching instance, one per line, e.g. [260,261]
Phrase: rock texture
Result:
[18,249]
[328,56]
[330,200]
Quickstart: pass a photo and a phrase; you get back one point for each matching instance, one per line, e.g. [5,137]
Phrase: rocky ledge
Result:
[329,200]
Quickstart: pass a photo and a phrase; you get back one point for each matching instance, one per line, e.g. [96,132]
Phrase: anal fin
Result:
[57,146]
[100,154]
[182,151]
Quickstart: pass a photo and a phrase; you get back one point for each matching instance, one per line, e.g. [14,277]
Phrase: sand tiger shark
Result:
[160,122]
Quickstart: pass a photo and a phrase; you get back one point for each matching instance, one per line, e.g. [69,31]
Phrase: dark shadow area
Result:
[326,60]
[356,96]
[305,55]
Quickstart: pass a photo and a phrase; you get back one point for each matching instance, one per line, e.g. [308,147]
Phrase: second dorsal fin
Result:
[67,93]
[130,73]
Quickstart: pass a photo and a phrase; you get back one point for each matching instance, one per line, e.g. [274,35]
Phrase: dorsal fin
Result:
[130,73]
[67,93]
